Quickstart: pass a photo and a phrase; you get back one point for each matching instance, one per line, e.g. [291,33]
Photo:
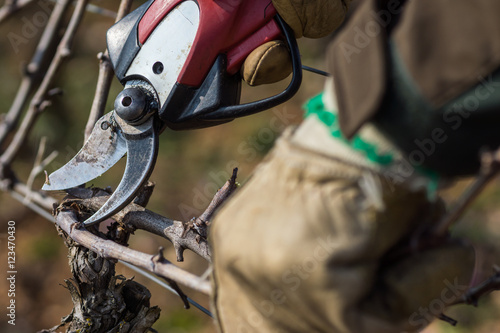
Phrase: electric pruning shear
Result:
[179,63]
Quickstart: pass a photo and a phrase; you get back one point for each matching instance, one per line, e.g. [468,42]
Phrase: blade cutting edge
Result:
[105,146]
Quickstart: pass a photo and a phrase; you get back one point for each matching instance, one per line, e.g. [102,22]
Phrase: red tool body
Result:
[216,37]
[232,27]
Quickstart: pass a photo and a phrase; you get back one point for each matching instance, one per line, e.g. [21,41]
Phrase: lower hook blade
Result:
[142,150]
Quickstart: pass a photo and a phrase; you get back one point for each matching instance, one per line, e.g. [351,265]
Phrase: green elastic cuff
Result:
[315,106]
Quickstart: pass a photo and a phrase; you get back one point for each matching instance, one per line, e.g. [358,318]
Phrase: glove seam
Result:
[344,4]
[252,80]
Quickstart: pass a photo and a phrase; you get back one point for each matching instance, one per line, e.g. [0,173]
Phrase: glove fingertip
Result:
[269,63]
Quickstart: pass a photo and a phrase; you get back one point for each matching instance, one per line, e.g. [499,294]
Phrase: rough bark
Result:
[103,301]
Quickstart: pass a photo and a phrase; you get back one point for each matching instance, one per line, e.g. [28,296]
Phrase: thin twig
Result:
[39,203]
[21,189]
[97,10]
[220,197]
[100,11]
[201,223]
[39,101]
[12,6]
[473,294]
[101,94]
[447,319]
[191,235]
[144,194]
[38,160]
[33,206]
[138,217]
[39,165]
[166,286]
[66,219]
[104,79]
[33,69]
[490,167]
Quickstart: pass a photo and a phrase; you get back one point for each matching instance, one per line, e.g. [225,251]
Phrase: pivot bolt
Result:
[130,104]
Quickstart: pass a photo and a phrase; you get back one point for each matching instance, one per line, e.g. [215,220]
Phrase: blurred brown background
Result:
[190,167]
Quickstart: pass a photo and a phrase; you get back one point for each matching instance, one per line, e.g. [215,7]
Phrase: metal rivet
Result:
[157,67]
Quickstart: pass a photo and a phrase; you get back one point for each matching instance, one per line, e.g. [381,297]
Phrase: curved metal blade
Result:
[142,150]
[103,149]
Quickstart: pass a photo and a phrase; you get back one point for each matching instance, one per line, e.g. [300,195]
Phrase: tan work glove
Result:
[305,247]
[271,62]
